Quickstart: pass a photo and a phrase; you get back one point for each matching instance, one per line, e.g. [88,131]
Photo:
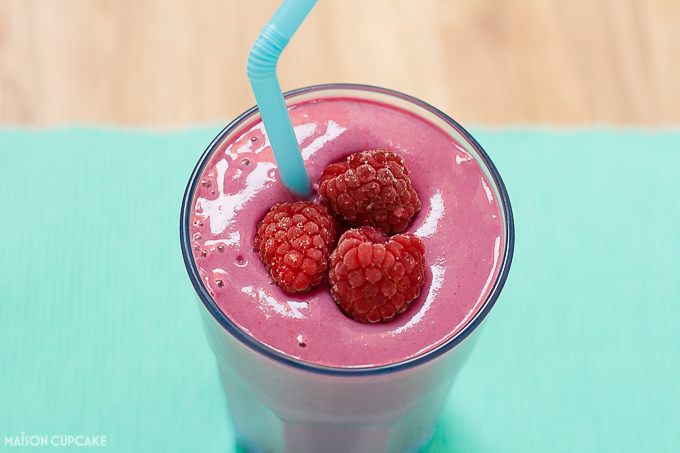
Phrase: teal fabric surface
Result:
[100,335]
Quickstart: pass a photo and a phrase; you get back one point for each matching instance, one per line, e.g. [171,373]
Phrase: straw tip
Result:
[300,187]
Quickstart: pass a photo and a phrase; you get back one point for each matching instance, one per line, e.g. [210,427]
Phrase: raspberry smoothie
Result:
[461,223]
[299,375]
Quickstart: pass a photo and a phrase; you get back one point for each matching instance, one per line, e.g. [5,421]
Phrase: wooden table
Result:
[177,62]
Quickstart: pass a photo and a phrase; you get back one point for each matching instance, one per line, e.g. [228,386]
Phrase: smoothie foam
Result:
[460,223]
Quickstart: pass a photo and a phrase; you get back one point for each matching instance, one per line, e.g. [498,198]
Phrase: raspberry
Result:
[374,278]
[371,188]
[294,241]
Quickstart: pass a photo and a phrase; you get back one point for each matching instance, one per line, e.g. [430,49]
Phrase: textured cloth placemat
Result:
[100,334]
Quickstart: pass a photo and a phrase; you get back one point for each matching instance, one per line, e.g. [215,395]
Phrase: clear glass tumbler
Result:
[282,404]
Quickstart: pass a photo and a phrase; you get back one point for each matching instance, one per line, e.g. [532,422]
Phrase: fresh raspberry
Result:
[294,241]
[371,188]
[373,277]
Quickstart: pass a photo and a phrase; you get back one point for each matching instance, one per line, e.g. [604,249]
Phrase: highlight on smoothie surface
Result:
[451,251]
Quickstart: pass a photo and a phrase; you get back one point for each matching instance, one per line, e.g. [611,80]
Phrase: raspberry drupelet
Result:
[373,277]
[371,188]
[294,241]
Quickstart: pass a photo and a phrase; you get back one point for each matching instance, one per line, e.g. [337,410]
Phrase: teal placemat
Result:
[100,335]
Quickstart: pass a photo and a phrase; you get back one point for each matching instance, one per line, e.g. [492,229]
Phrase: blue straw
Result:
[262,74]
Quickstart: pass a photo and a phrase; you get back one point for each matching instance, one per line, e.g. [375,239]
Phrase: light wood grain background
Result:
[180,62]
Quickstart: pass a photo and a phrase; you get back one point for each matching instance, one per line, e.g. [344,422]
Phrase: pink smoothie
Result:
[460,224]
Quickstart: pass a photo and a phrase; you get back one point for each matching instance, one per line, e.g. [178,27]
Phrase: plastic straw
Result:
[262,74]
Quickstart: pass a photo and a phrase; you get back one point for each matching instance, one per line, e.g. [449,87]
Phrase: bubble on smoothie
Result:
[246,141]
[241,261]
[197,236]
[221,278]
[301,341]
[206,183]
[232,240]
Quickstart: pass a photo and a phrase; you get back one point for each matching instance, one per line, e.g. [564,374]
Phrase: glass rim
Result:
[271,353]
